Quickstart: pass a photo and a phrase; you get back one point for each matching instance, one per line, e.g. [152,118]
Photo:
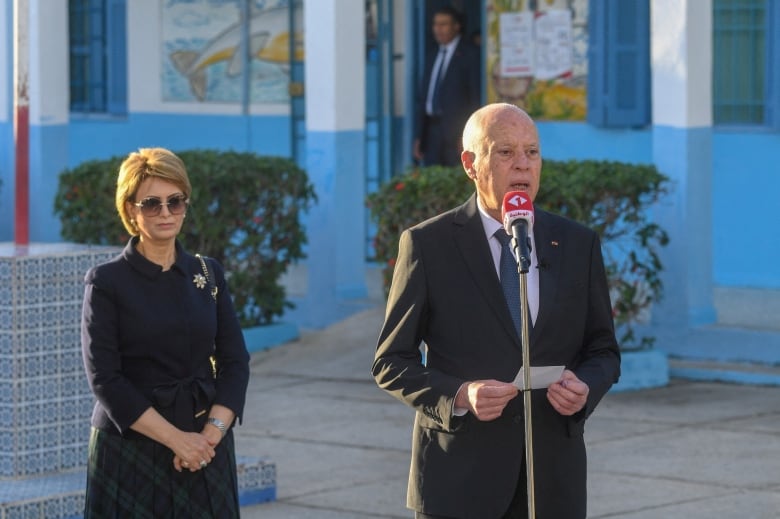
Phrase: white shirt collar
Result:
[490,224]
[451,45]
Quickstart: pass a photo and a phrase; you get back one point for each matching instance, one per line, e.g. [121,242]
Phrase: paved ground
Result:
[692,450]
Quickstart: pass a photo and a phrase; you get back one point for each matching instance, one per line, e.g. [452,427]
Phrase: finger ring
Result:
[203,464]
[185,464]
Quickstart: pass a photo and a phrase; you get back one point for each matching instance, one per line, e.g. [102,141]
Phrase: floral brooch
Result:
[199,281]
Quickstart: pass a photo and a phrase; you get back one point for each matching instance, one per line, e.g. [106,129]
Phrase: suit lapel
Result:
[548,254]
[473,247]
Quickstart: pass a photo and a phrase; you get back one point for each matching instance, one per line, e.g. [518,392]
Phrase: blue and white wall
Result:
[722,260]
[60,140]
[335,159]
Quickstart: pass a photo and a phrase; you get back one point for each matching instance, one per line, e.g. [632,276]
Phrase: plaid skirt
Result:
[135,478]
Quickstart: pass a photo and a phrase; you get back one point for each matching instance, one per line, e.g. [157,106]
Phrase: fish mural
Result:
[269,42]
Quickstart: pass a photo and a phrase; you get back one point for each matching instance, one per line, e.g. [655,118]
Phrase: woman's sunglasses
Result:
[152,206]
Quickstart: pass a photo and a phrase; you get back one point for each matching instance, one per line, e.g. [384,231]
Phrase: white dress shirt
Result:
[438,70]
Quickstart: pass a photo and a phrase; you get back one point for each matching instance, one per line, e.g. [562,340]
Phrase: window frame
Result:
[103,48]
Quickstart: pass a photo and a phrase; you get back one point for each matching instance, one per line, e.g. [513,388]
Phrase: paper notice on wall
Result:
[516,44]
[553,38]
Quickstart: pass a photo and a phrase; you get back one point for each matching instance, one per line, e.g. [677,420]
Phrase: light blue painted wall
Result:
[579,141]
[48,154]
[102,138]
[54,148]
[685,156]
[336,225]
[746,214]
[7,178]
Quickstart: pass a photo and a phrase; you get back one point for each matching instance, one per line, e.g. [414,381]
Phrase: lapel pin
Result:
[554,243]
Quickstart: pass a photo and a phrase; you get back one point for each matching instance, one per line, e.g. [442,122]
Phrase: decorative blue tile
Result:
[29,317]
[73,504]
[32,365]
[50,365]
[6,342]
[32,341]
[32,389]
[74,433]
[31,439]
[51,437]
[6,318]
[52,412]
[71,362]
[32,462]
[53,508]
[8,414]
[6,269]
[70,387]
[8,391]
[8,438]
[86,403]
[32,414]
[73,457]
[6,292]
[52,461]
[51,387]
[7,465]
[7,366]
[69,409]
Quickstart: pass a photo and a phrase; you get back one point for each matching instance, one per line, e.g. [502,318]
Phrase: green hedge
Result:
[612,198]
[245,211]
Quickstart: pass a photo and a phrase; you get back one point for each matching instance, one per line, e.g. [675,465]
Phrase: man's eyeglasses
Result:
[152,206]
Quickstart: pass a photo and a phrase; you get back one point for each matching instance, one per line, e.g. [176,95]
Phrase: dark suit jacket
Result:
[147,338]
[445,292]
[459,94]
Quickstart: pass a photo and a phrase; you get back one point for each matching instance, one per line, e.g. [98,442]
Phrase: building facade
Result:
[692,86]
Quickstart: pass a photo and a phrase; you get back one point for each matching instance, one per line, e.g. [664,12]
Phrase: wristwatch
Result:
[219,424]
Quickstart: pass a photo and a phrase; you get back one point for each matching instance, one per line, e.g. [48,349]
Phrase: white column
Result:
[681,40]
[335,159]
[49,112]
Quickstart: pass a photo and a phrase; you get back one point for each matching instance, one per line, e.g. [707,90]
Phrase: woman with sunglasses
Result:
[165,358]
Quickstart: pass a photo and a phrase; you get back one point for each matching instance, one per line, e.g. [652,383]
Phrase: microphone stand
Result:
[523,265]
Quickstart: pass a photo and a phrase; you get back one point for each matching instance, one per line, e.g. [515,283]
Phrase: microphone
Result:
[518,216]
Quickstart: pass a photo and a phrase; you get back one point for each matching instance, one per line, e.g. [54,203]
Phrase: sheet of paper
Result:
[541,376]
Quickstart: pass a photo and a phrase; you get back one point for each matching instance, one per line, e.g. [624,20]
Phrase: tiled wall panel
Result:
[45,402]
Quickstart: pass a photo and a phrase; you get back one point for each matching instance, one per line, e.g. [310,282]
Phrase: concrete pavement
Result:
[690,450]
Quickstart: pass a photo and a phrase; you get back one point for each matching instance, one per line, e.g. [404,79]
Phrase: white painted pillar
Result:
[49,112]
[681,40]
[335,158]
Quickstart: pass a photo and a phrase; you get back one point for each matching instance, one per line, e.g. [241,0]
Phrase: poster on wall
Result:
[201,40]
[537,56]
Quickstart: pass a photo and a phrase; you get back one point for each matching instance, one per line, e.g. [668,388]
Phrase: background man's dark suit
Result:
[446,292]
[459,96]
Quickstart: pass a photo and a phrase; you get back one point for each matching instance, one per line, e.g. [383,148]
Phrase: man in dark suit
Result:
[449,92]
[468,457]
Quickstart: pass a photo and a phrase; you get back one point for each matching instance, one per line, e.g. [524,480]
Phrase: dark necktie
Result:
[510,278]
[437,77]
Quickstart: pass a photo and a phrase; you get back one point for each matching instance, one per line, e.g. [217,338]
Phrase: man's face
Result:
[445,28]
[508,159]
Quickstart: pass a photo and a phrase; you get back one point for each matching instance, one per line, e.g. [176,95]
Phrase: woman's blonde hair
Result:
[140,165]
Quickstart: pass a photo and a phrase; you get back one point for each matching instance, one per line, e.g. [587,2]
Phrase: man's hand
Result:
[417,153]
[486,399]
[568,395]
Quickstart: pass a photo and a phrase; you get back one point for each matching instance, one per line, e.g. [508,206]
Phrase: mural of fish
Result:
[269,41]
